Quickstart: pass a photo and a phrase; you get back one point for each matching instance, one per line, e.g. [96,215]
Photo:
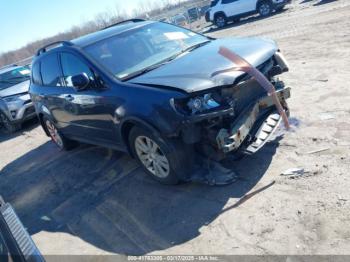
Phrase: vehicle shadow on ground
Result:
[105,199]
[26,126]
[322,2]
[243,21]
[319,2]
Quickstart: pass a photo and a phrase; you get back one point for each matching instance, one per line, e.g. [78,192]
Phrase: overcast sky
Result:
[23,21]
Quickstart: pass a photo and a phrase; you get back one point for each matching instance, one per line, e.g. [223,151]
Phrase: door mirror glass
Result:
[80,81]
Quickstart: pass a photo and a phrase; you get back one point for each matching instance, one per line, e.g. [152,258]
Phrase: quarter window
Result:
[36,77]
[50,71]
[71,66]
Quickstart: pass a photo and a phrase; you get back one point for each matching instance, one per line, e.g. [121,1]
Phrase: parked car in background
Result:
[193,14]
[180,20]
[158,92]
[223,11]
[15,103]
[204,9]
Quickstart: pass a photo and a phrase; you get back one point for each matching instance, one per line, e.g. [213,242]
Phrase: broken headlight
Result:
[199,104]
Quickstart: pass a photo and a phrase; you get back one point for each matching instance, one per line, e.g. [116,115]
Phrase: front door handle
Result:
[69,97]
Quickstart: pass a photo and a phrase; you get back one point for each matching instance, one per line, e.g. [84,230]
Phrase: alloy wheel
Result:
[152,157]
[6,122]
[54,134]
[220,21]
[264,9]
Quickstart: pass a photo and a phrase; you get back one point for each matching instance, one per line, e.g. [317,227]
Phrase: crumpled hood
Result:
[193,71]
[16,89]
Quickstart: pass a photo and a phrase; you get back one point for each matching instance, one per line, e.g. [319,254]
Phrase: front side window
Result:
[14,77]
[50,70]
[71,66]
[137,50]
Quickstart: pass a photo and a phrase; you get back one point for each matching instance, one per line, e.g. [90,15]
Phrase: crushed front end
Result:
[235,118]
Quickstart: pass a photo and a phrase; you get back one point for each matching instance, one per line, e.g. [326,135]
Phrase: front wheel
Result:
[265,8]
[9,127]
[220,20]
[163,159]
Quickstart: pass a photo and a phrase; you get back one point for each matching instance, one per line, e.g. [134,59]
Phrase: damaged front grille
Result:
[247,89]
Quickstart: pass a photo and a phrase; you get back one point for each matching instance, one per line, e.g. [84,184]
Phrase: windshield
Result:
[142,48]
[14,77]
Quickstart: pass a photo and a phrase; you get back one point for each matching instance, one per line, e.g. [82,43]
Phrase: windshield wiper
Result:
[187,49]
[142,71]
[19,77]
[6,82]
[193,47]
[155,66]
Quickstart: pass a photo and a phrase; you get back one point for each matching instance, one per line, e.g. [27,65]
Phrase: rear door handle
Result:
[69,97]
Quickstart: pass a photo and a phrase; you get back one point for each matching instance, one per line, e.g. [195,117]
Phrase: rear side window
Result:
[36,77]
[71,66]
[214,3]
[50,70]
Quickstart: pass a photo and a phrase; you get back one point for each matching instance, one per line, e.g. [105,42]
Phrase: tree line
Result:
[146,9]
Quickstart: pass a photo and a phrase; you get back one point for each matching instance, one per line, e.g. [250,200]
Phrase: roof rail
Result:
[44,48]
[134,20]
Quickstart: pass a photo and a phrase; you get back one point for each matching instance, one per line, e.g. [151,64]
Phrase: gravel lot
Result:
[96,201]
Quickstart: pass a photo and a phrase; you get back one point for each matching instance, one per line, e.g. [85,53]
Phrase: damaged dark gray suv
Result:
[160,92]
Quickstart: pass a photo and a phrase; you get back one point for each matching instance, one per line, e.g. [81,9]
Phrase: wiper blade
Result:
[188,49]
[193,47]
[6,82]
[150,68]
[142,71]
[19,77]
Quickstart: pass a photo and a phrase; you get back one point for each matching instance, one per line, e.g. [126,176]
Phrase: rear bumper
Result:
[232,139]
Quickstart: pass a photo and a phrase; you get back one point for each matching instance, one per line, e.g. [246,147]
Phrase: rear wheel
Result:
[265,8]
[220,20]
[62,142]
[9,127]
[163,159]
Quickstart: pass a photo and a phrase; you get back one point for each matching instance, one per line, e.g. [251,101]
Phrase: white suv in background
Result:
[223,11]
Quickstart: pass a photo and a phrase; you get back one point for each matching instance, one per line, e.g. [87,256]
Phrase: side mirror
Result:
[81,81]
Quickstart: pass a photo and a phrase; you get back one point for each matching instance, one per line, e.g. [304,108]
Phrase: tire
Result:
[60,141]
[280,9]
[220,20]
[164,160]
[9,127]
[265,8]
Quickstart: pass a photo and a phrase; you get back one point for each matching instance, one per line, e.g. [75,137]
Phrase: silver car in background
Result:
[15,103]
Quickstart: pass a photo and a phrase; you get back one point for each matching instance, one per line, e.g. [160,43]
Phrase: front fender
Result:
[4,109]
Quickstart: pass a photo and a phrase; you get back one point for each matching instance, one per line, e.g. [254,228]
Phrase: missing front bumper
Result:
[229,140]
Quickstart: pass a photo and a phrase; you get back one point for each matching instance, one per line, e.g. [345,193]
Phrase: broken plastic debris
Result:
[318,151]
[295,172]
